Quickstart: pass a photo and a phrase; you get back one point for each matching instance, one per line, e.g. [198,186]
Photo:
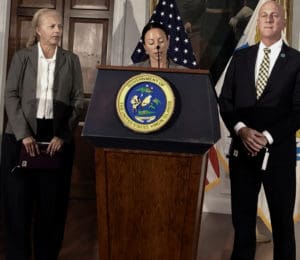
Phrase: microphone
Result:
[158,57]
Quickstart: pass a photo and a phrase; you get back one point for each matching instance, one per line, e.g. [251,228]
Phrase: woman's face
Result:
[156,44]
[49,29]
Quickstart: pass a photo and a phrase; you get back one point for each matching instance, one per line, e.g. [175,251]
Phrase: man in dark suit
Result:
[262,115]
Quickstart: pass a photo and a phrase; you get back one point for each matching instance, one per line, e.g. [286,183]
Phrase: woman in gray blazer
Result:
[44,99]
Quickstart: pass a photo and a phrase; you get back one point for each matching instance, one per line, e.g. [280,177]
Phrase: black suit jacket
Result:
[277,110]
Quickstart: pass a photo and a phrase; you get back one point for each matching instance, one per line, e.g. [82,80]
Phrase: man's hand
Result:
[55,145]
[253,140]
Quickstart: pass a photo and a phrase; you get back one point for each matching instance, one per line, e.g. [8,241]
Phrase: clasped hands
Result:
[253,140]
[32,147]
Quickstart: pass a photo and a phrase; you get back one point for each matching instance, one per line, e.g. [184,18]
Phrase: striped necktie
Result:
[263,73]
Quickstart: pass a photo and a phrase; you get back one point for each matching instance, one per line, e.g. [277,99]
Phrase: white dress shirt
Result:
[44,90]
[275,50]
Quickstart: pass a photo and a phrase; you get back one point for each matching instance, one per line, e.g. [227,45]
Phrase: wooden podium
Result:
[150,186]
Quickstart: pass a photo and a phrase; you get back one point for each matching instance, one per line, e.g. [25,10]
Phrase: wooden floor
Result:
[216,235]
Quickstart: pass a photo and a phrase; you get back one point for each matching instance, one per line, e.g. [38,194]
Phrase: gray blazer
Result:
[20,94]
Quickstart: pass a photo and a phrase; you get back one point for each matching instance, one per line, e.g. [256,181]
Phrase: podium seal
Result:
[145,103]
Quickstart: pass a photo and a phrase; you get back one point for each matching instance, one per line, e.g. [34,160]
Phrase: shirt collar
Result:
[275,46]
[41,53]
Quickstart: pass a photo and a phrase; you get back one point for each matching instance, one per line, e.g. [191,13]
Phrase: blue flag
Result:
[180,49]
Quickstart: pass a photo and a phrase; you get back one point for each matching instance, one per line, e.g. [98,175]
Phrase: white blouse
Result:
[44,90]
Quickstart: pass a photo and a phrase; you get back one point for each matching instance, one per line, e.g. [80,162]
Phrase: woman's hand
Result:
[31,146]
[55,145]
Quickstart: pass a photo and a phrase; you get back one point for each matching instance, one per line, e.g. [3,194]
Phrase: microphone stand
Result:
[158,57]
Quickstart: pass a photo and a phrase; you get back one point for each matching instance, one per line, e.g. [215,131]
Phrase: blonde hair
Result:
[35,22]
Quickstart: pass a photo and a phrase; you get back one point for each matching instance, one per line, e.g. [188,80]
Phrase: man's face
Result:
[270,21]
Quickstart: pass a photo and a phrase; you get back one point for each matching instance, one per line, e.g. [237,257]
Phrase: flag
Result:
[213,169]
[180,49]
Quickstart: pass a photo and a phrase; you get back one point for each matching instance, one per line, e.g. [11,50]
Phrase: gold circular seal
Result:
[145,103]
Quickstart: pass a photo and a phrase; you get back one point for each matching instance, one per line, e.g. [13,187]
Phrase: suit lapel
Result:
[280,62]
[33,66]
[60,61]
[33,58]
[251,60]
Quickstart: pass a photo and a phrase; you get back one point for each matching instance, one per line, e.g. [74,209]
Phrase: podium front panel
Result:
[193,128]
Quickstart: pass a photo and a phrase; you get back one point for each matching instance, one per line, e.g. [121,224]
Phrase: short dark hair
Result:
[152,25]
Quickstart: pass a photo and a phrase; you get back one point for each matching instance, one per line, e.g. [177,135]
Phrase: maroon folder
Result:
[41,161]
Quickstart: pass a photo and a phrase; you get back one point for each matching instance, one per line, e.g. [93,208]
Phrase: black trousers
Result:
[35,204]
[280,188]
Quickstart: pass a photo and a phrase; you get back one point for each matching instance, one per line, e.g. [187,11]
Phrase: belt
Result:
[217,10]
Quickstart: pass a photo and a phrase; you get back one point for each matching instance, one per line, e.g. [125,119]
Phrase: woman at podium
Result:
[156,42]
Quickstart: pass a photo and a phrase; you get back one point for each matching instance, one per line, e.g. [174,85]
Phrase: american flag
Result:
[213,169]
[180,49]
